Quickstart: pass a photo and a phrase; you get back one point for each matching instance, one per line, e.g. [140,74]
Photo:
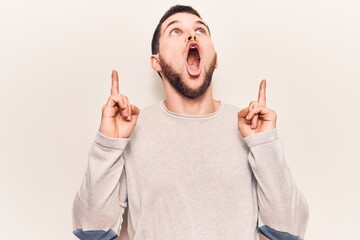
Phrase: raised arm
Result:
[100,202]
[283,211]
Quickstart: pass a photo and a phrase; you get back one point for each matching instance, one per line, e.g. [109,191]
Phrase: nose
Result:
[191,37]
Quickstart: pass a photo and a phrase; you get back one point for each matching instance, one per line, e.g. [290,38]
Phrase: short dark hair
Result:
[173,10]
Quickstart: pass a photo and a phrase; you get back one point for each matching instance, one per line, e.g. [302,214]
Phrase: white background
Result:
[56,59]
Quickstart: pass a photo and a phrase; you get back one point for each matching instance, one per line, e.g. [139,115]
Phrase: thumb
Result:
[135,110]
[243,113]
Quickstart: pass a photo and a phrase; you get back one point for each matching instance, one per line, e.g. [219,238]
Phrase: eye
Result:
[200,31]
[175,32]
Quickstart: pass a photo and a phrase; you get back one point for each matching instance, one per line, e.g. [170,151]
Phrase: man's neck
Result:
[203,105]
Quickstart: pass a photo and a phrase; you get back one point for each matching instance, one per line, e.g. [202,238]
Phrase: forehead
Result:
[182,18]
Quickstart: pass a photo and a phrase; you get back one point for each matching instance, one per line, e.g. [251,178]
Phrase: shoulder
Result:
[229,108]
[150,111]
[150,115]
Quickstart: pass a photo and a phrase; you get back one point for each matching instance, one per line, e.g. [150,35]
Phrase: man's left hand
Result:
[257,118]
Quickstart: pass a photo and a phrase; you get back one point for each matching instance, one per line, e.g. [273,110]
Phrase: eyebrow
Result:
[171,23]
[202,23]
[176,21]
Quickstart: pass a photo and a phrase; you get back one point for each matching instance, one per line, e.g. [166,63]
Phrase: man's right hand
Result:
[119,117]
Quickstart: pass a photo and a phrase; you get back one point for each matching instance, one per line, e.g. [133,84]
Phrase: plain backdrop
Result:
[56,59]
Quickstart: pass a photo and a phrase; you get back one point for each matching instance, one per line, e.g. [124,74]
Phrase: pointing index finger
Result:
[262,93]
[114,83]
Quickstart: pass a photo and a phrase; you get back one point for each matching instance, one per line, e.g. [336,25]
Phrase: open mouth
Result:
[193,61]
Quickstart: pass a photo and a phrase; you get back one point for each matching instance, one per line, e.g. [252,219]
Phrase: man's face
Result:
[186,54]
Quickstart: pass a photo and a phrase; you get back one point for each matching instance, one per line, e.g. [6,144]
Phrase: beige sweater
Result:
[189,177]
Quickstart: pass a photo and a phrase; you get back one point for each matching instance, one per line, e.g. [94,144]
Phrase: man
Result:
[189,167]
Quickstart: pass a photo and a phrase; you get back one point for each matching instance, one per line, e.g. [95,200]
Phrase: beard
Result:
[176,79]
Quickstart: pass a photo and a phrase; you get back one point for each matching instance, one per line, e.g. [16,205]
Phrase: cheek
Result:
[209,54]
[170,53]
[168,46]
[211,49]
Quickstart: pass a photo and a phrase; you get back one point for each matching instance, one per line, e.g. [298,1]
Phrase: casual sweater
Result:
[189,177]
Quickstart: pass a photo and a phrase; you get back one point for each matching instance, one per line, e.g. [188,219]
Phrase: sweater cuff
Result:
[108,142]
[261,138]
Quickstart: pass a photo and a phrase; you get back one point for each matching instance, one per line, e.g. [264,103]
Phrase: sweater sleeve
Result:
[283,211]
[101,200]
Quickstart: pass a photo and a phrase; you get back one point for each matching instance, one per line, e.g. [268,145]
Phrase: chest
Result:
[188,158]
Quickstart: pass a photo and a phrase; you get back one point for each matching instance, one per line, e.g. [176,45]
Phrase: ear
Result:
[155,62]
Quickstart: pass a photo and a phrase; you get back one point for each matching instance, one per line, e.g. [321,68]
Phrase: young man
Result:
[189,167]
